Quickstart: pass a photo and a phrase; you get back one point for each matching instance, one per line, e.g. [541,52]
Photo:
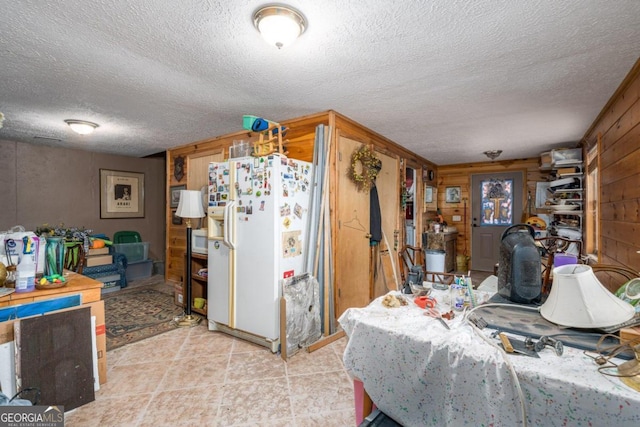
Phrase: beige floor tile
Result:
[256,402]
[255,365]
[321,360]
[147,350]
[242,346]
[201,342]
[133,379]
[195,372]
[194,406]
[319,393]
[109,411]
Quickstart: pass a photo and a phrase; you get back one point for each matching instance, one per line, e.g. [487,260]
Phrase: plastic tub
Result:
[134,252]
[434,260]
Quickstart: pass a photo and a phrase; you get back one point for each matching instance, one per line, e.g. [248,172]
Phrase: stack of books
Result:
[98,256]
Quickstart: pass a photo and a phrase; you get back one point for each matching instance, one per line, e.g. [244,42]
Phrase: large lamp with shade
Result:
[189,207]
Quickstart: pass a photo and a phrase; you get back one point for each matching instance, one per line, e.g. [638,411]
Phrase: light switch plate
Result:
[457,218]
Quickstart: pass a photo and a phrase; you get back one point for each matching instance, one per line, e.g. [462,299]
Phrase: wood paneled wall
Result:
[460,175]
[619,127]
[300,138]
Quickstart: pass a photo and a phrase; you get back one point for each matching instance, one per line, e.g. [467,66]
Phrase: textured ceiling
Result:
[446,79]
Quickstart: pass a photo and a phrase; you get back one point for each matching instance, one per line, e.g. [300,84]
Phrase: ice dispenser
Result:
[215,222]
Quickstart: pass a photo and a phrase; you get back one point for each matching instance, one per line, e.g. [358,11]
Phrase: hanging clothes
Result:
[375,225]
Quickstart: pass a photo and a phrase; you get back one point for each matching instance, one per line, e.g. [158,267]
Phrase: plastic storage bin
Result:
[563,156]
[134,252]
[139,270]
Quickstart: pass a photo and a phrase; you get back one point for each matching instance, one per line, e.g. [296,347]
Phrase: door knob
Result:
[367,236]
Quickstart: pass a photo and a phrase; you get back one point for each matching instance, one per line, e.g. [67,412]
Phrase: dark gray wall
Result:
[43,184]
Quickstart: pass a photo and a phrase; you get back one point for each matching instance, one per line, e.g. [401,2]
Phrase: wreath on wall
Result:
[365,167]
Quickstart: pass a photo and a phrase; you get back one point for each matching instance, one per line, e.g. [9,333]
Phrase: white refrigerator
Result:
[258,225]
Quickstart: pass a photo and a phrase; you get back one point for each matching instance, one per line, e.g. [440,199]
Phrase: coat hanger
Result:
[355,222]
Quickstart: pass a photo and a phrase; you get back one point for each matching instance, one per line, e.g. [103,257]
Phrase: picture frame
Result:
[121,194]
[175,219]
[430,198]
[174,195]
[452,194]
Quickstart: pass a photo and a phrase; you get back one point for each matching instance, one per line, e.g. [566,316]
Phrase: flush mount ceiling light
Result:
[82,127]
[492,154]
[279,25]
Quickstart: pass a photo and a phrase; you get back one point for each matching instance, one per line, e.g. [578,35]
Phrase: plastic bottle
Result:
[457,295]
[26,271]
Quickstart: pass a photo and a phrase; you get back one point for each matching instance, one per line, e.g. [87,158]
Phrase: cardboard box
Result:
[96,260]
[97,310]
[98,251]
[177,292]
[628,334]
[564,171]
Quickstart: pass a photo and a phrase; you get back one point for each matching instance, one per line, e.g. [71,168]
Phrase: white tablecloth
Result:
[422,374]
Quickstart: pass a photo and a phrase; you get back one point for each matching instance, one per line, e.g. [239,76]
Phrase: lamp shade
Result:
[578,300]
[190,204]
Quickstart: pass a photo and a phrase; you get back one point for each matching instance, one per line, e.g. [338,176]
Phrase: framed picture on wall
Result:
[452,195]
[121,194]
[175,219]
[430,198]
[174,195]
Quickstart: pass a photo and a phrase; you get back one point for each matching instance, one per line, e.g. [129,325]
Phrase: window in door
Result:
[497,202]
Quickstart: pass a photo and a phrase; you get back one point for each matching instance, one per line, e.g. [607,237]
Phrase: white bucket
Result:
[434,260]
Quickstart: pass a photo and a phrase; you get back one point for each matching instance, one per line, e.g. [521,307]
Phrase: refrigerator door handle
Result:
[228,217]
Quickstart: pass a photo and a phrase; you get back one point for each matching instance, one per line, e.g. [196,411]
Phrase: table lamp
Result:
[578,300]
[190,206]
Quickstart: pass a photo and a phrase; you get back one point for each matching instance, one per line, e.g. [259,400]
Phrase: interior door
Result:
[352,242]
[496,203]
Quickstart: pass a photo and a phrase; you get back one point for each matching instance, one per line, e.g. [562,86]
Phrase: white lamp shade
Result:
[190,204]
[578,300]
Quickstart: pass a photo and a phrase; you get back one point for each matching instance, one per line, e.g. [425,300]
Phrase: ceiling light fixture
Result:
[279,25]
[493,154]
[82,127]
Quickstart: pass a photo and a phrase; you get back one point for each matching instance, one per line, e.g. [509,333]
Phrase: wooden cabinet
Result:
[443,242]
[198,281]
[450,243]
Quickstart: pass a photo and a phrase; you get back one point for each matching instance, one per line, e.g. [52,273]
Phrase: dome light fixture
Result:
[279,25]
[492,154]
[82,127]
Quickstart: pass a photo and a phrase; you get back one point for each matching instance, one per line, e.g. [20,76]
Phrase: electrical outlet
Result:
[179,298]
[457,218]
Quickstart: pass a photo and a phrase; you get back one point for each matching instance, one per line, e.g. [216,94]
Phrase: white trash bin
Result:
[434,260]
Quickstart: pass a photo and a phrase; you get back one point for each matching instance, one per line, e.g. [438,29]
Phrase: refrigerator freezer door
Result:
[218,289]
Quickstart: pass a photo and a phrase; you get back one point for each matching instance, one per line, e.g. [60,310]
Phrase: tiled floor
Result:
[192,376]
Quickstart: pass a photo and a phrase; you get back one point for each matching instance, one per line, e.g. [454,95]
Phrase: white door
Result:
[496,204]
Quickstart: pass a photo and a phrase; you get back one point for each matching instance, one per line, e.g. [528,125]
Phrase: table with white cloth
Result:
[421,374]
